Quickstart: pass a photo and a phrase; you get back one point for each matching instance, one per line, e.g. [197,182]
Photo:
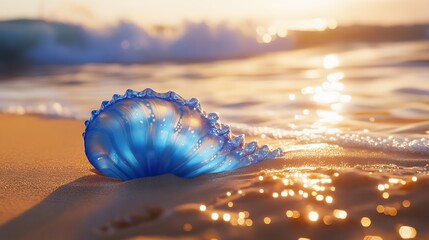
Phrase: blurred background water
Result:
[309,78]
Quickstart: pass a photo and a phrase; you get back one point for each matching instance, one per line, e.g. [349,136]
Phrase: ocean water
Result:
[363,96]
[352,119]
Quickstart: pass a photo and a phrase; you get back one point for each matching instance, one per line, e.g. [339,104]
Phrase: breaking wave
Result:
[35,41]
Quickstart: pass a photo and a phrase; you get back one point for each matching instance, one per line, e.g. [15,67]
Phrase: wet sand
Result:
[318,192]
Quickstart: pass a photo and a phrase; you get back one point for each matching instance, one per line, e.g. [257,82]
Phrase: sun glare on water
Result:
[331,61]
[281,29]
[328,95]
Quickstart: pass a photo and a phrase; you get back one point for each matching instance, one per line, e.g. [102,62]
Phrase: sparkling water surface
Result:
[367,96]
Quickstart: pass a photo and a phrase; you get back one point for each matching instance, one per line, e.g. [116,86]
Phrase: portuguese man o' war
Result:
[146,133]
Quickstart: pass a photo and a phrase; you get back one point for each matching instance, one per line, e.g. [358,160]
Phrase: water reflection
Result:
[331,61]
[280,29]
[328,96]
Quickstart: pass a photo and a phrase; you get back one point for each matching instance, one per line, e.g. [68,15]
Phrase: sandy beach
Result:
[38,156]
[48,189]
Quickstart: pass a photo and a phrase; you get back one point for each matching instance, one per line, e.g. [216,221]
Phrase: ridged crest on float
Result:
[126,139]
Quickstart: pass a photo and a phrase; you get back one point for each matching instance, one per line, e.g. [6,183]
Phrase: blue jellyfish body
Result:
[147,133]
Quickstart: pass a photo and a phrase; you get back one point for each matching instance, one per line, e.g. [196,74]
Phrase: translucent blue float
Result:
[146,133]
